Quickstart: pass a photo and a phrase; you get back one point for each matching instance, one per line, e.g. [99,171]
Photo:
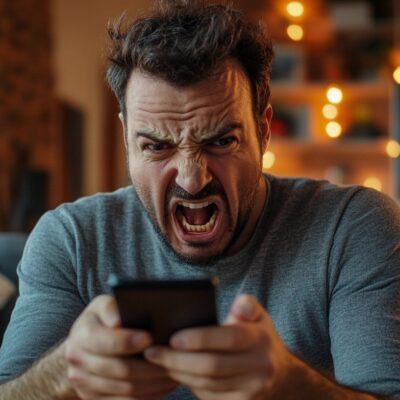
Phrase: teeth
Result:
[197,228]
[194,205]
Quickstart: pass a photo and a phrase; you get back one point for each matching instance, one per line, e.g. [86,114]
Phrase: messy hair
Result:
[182,41]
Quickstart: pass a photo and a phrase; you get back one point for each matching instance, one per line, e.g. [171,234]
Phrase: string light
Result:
[330,111]
[393,148]
[396,75]
[268,159]
[295,9]
[374,183]
[334,95]
[333,129]
[295,32]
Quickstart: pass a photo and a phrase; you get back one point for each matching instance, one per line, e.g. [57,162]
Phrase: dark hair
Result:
[183,41]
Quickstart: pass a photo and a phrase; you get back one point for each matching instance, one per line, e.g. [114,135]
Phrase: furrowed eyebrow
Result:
[221,132]
[155,137]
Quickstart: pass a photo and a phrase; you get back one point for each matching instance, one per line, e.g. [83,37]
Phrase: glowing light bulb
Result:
[268,159]
[329,111]
[393,148]
[333,129]
[295,32]
[295,9]
[334,95]
[396,75]
[374,183]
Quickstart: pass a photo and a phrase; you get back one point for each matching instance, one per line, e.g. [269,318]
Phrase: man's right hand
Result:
[97,352]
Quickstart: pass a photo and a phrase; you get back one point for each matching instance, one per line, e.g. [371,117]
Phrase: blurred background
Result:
[335,93]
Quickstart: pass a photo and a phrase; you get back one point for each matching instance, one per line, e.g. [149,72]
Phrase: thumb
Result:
[245,308]
[106,309]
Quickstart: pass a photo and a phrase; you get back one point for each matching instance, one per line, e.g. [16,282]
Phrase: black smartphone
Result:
[163,307]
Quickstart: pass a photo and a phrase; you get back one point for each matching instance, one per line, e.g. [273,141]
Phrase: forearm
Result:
[45,380]
[305,383]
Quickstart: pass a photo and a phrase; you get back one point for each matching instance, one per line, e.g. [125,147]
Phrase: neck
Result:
[257,209]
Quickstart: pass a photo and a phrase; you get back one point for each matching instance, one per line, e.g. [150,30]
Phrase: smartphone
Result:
[163,307]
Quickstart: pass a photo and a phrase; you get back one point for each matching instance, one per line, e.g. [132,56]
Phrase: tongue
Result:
[197,216]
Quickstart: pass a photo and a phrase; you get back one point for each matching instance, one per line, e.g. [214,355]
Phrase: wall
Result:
[79,38]
[26,98]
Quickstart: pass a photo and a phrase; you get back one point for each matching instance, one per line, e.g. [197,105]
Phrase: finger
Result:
[106,308]
[246,308]
[118,368]
[231,395]
[91,335]
[229,338]
[207,364]
[251,382]
[104,386]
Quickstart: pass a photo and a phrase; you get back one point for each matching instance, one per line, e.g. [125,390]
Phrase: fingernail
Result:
[139,339]
[113,320]
[244,307]
[152,352]
[178,341]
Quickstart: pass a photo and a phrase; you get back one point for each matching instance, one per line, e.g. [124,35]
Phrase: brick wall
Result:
[26,95]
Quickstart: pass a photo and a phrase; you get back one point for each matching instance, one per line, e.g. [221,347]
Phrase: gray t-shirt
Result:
[324,261]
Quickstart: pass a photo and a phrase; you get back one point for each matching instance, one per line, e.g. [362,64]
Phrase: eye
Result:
[224,141]
[156,147]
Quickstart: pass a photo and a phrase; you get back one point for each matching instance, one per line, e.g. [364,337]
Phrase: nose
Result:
[192,174]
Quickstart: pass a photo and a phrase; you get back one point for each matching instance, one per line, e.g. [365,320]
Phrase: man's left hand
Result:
[242,359]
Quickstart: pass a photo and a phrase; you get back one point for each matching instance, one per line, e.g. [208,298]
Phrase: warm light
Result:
[373,183]
[334,95]
[329,111]
[393,149]
[333,129]
[295,32]
[295,9]
[268,159]
[396,75]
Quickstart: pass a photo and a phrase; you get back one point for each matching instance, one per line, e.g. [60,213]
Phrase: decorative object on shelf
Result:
[288,65]
[350,14]
[290,121]
[362,126]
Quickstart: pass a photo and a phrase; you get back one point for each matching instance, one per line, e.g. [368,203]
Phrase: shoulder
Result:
[90,215]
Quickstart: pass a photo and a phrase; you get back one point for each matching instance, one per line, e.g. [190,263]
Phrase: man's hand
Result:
[243,359]
[99,366]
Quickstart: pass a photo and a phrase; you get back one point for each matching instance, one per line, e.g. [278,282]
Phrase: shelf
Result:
[338,148]
[375,89]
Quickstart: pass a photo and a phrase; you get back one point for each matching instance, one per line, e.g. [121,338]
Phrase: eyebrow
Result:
[155,136]
[205,138]
[230,126]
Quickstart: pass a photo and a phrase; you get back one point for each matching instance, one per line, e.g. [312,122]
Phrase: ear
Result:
[124,130]
[265,127]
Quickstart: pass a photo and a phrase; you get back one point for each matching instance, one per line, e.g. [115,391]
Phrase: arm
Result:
[244,359]
[92,364]
[45,380]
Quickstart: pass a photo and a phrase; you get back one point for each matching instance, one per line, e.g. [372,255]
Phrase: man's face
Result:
[195,160]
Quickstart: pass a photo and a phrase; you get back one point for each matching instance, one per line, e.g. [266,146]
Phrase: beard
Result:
[247,195]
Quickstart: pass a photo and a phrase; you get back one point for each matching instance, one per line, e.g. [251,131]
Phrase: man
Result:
[309,272]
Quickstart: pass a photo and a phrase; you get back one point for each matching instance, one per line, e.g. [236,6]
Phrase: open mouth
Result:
[197,217]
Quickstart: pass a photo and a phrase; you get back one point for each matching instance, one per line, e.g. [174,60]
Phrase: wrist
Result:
[54,369]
